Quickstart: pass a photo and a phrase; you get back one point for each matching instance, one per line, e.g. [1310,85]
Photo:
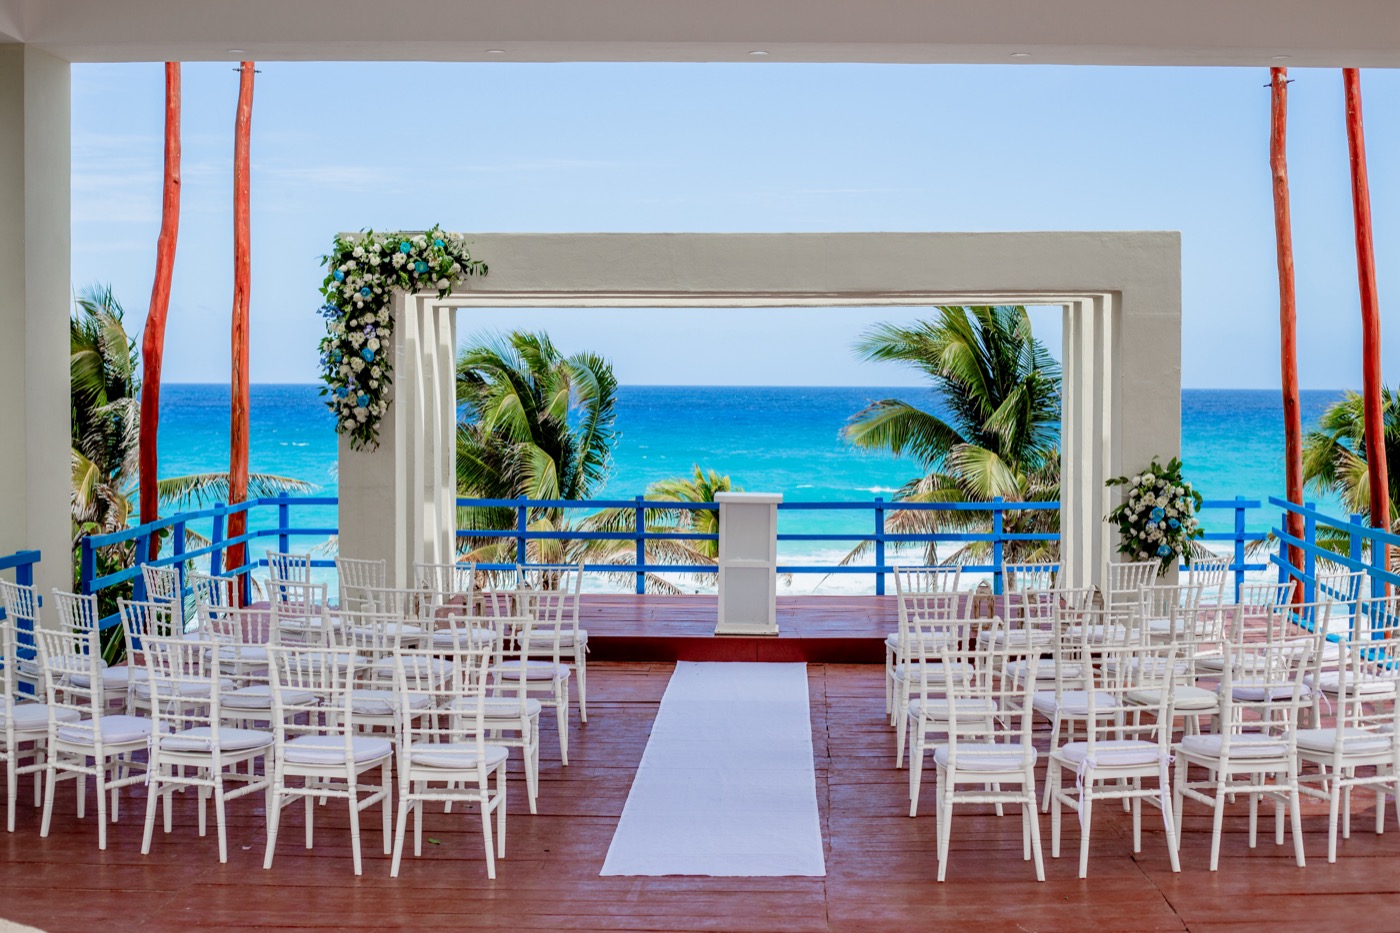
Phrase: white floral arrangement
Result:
[362,272]
[1157,520]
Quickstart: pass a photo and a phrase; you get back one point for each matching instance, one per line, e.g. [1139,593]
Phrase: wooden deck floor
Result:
[880,863]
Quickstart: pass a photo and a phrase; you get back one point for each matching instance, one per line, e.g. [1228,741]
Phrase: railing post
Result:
[1356,550]
[216,556]
[284,516]
[177,549]
[522,525]
[1309,558]
[24,576]
[998,526]
[87,567]
[879,545]
[641,528]
[138,582]
[1240,515]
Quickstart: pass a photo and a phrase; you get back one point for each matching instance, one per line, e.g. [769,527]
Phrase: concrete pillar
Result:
[398,503]
[35,292]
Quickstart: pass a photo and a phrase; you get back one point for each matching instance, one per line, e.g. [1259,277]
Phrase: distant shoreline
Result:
[641,385]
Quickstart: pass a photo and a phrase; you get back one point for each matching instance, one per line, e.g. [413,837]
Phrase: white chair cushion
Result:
[243,653]
[933,670]
[201,739]
[1259,692]
[937,707]
[34,717]
[330,749]
[437,668]
[113,678]
[985,756]
[566,639]
[116,730]
[1112,753]
[69,664]
[1184,699]
[497,707]
[1073,703]
[456,755]
[384,702]
[390,629]
[534,670]
[185,688]
[1095,634]
[1330,682]
[932,639]
[1044,670]
[451,637]
[1211,662]
[1014,638]
[1354,741]
[259,697]
[1242,745]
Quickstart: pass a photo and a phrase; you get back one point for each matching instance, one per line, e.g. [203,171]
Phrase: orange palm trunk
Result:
[153,336]
[1376,467]
[1287,306]
[238,409]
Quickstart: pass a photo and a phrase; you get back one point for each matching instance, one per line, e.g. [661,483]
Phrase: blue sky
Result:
[736,147]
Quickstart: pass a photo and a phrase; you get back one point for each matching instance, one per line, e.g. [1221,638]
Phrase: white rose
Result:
[345,369]
[373,344]
[1148,477]
[357,364]
[374,371]
[356,339]
[358,252]
[374,383]
[443,284]
[456,268]
[352,265]
[361,414]
[1137,479]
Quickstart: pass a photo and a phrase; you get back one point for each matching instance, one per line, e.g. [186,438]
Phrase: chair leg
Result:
[901,731]
[1086,822]
[530,754]
[355,824]
[102,805]
[386,783]
[404,807]
[561,715]
[582,665]
[1169,823]
[1296,818]
[1217,825]
[1334,800]
[152,801]
[219,821]
[50,781]
[486,832]
[945,825]
[1054,744]
[501,791]
[274,814]
[916,771]
[11,790]
[1052,796]
[1032,818]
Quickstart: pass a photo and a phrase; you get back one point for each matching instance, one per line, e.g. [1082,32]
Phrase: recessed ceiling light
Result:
[758,52]
[1280,58]
[236,51]
[1020,54]
[495,51]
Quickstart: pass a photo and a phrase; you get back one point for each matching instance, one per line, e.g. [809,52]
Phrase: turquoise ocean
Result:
[767,439]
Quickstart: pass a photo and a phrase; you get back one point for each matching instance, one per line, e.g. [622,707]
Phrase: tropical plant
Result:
[998,389]
[104,392]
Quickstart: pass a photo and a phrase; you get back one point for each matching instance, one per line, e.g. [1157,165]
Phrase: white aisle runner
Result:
[726,785]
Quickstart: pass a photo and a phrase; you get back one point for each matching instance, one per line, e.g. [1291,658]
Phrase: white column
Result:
[35,289]
[748,563]
[398,503]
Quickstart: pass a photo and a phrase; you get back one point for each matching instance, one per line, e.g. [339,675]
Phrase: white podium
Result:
[748,563]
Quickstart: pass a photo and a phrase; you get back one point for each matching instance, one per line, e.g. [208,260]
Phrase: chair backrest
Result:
[22,618]
[912,582]
[289,568]
[1128,675]
[63,653]
[1343,586]
[1038,607]
[309,684]
[1266,595]
[356,576]
[211,590]
[300,613]
[9,672]
[76,611]
[1030,575]
[1131,576]
[446,578]
[1210,573]
[1262,687]
[369,633]
[226,631]
[162,583]
[551,598]
[406,602]
[185,687]
[974,680]
[1179,602]
[463,693]
[1368,679]
[143,620]
[929,647]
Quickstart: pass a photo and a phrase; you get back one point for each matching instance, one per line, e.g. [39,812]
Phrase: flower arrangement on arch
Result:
[1157,520]
[362,272]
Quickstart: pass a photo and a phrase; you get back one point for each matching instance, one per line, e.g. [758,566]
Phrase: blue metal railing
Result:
[875,532]
[22,563]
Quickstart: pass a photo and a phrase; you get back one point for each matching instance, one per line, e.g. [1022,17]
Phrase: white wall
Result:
[35,468]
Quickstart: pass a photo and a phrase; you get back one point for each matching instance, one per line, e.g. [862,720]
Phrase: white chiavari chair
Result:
[355,576]
[319,743]
[1125,744]
[988,745]
[289,568]
[567,581]
[78,613]
[448,758]
[300,614]
[548,613]
[108,740]
[24,721]
[191,745]
[936,647]
[916,589]
[921,632]
[22,610]
[1021,579]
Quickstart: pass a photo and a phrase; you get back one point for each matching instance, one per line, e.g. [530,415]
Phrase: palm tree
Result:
[1000,388]
[105,389]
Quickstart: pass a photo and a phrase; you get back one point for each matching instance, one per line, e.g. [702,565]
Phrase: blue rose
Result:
[420,267]
[337,355]
[338,275]
[1156,514]
[1163,550]
[439,244]
[365,291]
[342,392]
[362,400]
[405,247]
[1173,523]
[368,354]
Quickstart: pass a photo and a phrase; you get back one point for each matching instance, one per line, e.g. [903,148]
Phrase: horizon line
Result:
[763,385]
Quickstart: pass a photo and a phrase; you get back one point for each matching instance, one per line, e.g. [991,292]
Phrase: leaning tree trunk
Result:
[153,336]
[238,408]
[1376,468]
[1287,308]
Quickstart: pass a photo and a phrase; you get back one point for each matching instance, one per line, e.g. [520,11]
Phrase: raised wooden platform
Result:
[814,629]
[880,863]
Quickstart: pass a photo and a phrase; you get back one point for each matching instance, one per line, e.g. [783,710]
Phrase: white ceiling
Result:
[1144,32]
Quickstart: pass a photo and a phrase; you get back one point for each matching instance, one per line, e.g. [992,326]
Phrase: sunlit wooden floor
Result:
[880,863]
